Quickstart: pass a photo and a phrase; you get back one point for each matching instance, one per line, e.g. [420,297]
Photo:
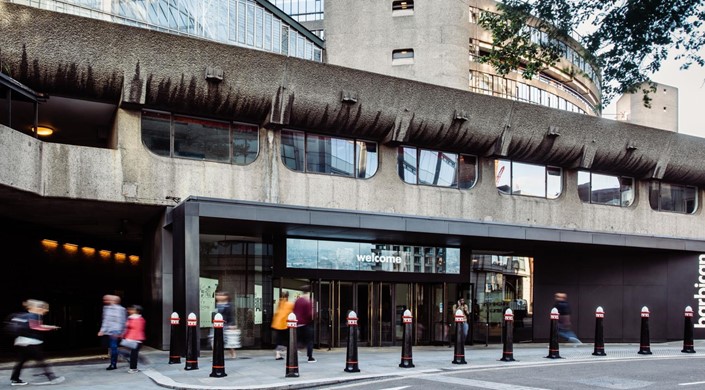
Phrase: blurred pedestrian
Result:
[564,324]
[112,326]
[463,307]
[303,309]
[134,336]
[284,308]
[28,343]
[231,333]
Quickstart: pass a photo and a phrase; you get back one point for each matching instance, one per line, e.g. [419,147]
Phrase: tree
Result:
[627,39]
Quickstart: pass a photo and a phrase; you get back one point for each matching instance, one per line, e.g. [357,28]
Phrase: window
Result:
[474,15]
[199,138]
[605,189]
[328,155]
[399,6]
[517,178]
[436,168]
[402,56]
[673,198]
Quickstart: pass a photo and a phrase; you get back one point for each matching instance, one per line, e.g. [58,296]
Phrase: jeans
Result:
[113,344]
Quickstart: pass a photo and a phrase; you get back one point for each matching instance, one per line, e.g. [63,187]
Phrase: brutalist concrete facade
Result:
[135,69]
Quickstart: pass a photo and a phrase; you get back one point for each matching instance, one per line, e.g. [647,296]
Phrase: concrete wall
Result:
[663,113]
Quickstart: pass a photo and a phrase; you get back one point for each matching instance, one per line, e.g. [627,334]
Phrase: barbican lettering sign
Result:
[700,296]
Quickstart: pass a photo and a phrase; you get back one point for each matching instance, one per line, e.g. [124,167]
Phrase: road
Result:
[683,373]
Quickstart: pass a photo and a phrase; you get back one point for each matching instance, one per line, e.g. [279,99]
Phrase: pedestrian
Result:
[284,308]
[28,343]
[134,336]
[303,309]
[463,307]
[564,324]
[231,333]
[112,326]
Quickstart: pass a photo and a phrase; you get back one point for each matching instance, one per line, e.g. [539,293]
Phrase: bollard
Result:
[644,343]
[508,337]
[191,342]
[599,333]
[292,352]
[218,348]
[406,355]
[459,354]
[351,355]
[553,352]
[174,357]
[688,331]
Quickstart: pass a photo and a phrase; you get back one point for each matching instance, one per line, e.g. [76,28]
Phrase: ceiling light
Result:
[44,131]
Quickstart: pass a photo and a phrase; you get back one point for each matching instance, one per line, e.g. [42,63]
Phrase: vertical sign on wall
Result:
[207,289]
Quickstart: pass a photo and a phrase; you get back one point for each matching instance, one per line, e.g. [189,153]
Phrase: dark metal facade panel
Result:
[540,234]
[382,222]
[608,239]
[655,242]
[325,218]
[514,232]
[426,225]
[468,229]
[576,237]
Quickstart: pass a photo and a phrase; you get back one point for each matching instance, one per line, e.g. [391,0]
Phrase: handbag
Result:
[127,343]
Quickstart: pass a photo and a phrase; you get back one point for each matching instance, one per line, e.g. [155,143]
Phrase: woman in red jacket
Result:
[133,336]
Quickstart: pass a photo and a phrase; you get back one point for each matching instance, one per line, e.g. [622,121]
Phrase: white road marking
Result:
[691,383]
[480,384]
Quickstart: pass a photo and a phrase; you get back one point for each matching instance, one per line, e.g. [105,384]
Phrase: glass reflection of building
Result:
[256,24]
[502,282]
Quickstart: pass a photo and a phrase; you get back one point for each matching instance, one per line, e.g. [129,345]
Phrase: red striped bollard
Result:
[351,364]
[688,331]
[292,353]
[553,352]
[218,347]
[191,342]
[406,355]
[599,333]
[459,354]
[645,342]
[174,356]
[508,337]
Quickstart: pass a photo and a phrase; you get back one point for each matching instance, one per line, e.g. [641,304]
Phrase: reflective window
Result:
[329,155]
[402,4]
[517,178]
[673,197]
[605,189]
[199,138]
[362,256]
[156,132]
[435,168]
[402,56]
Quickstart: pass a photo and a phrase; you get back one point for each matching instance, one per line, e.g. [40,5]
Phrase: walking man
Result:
[113,326]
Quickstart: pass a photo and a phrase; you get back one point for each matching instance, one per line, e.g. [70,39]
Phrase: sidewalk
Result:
[257,369]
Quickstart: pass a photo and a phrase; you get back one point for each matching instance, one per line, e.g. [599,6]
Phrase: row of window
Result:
[540,37]
[239,22]
[229,142]
[488,84]
[301,10]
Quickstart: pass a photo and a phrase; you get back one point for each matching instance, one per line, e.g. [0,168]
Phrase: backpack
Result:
[15,325]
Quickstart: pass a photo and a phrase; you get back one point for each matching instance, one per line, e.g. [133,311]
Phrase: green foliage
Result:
[628,39]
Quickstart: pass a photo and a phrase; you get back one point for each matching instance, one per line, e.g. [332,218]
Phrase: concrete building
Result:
[162,184]
[662,113]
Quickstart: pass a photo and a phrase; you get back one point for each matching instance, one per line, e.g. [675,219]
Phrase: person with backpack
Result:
[30,331]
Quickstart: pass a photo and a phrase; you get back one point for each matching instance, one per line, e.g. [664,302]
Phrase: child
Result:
[133,336]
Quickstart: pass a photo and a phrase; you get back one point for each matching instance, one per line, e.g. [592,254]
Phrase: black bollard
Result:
[191,342]
[174,356]
[508,337]
[553,352]
[218,348]
[599,333]
[688,331]
[292,352]
[459,354]
[645,343]
[351,355]
[406,355]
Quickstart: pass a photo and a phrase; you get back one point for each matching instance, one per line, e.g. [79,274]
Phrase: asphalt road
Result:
[683,373]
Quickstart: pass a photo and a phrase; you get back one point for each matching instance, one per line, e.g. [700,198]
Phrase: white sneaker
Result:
[133,371]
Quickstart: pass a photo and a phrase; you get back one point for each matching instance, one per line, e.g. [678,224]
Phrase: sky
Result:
[691,95]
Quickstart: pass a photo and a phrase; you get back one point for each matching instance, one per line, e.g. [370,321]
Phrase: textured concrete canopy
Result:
[79,57]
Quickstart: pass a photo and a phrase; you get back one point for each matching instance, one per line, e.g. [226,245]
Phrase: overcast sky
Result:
[691,96]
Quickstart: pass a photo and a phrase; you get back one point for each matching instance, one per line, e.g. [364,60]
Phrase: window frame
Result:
[659,208]
[512,181]
[459,158]
[622,191]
